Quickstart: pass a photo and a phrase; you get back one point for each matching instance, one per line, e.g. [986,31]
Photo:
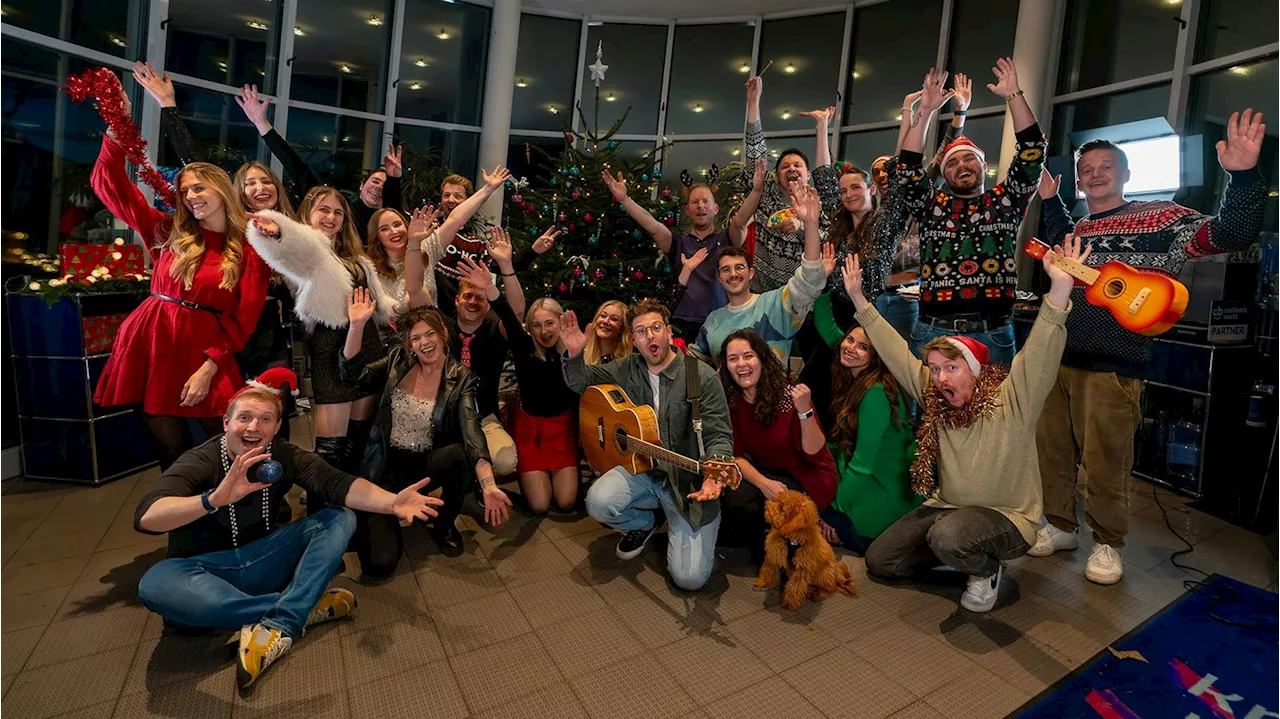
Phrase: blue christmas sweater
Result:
[1160,236]
[968,245]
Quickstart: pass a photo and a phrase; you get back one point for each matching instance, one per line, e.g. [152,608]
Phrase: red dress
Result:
[777,448]
[161,344]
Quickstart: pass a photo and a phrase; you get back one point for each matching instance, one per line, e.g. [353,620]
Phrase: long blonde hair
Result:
[347,245]
[592,354]
[283,205]
[550,305]
[187,244]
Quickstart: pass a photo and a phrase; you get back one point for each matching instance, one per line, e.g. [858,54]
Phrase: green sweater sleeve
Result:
[873,422]
[824,320]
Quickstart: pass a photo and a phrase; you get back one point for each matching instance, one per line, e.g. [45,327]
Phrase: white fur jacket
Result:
[321,283]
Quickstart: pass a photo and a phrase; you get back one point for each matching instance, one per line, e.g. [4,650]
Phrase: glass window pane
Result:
[36,203]
[861,148]
[808,144]
[1214,96]
[221,132]
[235,46]
[338,149]
[545,62]
[697,157]
[1230,26]
[981,31]
[1114,40]
[430,155]
[1145,104]
[634,54]
[115,27]
[442,61]
[709,63]
[894,45]
[806,63]
[533,157]
[340,54]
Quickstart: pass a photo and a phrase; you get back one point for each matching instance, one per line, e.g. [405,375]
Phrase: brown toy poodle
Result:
[795,544]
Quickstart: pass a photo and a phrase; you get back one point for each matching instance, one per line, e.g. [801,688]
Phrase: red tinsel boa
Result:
[102,85]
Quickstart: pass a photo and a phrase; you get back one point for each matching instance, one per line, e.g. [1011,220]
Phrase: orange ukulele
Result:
[615,432]
[1145,302]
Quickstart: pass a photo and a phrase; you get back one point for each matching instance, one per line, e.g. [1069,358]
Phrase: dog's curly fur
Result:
[814,573]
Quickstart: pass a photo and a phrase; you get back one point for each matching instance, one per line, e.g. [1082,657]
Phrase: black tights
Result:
[379,540]
[171,436]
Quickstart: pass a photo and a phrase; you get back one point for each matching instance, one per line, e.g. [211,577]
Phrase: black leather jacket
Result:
[457,416]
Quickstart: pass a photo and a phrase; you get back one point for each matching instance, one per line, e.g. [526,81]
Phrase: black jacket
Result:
[457,416]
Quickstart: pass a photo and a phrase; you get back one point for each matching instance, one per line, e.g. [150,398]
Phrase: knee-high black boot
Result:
[331,450]
[357,440]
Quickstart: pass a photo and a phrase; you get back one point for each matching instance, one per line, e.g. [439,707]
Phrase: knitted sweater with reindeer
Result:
[1159,236]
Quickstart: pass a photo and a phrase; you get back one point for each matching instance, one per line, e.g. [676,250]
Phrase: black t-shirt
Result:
[485,356]
[200,469]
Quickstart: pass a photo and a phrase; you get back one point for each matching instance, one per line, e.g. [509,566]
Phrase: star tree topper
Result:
[598,69]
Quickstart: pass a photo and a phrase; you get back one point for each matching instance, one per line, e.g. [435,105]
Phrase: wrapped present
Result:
[100,332]
[119,259]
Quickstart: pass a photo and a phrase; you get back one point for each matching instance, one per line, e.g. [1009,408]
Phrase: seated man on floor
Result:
[776,315]
[636,504]
[976,459]
[230,566]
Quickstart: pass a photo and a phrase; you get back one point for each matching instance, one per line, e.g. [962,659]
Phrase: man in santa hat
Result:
[975,459]
[968,235]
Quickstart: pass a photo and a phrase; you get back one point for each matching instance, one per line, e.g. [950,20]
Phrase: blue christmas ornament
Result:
[613,145]
[667,269]
[574,171]
[593,240]
[564,171]
[657,175]
[553,181]
[510,185]
[635,234]
[644,178]
[622,208]
[545,208]
[268,472]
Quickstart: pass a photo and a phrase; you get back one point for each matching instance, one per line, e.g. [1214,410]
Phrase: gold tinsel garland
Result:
[939,415]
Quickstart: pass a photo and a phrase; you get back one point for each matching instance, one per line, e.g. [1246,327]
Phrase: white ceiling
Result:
[682,9]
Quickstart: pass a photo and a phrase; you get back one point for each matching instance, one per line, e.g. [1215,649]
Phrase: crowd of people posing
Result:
[921,433]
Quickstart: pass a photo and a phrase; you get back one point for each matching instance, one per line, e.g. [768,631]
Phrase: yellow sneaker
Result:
[335,603]
[258,649]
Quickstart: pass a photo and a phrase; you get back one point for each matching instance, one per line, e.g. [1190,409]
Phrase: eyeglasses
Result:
[654,329]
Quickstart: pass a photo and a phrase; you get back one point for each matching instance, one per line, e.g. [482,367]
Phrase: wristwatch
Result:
[208,506]
[805,415]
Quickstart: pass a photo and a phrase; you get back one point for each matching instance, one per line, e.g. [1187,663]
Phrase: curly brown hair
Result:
[773,391]
[848,389]
[862,238]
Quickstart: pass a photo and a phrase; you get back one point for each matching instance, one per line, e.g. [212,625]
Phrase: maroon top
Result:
[776,448]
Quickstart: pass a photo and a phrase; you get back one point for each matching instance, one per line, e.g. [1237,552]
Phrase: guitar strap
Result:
[693,390]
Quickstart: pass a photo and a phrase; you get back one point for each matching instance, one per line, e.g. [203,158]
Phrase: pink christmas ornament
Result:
[638,275]
[562,217]
[563,288]
[586,217]
[576,195]
[666,192]
[597,274]
[517,198]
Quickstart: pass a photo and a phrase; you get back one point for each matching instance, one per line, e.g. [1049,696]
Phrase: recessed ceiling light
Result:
[744,67]
[324,138]
[786,114]
[991,172]
[736,151]
[611,98]
[702,171]
[421,63]
[344,68]
[790,68]
[415,86]
[773,153]
[857,75]
[118,41]
[256,25]
[374,20]
[522,83]
[697,108]
[299,32]
[443,34]
[552,109]
[1239,70]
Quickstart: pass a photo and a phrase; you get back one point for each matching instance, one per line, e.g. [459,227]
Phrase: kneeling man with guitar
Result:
[680,413]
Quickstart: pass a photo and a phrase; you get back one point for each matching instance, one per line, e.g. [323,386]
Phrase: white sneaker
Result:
[1104,565]
[982,592]
[1050,539]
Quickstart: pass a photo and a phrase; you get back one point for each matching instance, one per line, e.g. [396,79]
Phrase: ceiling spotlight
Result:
[790,68]
[773,153]
[522,83]
[702,171]
[299,32]
[857,75]
[1239,70]
[222,66]
[415,86]
[374,20]
[344,68]
[421,63]
[324,138]
[744,67]
[991,172]
[346,138]
[736,151]
[118,41]
[256,25]
[697,108]
[786,114]
[552,109]
[443,34]
[611,98]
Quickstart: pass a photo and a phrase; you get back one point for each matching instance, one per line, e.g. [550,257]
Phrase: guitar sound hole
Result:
[1113,288]
[620,435]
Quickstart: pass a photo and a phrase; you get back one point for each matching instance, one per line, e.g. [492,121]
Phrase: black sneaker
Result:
[632,543]
[449,542]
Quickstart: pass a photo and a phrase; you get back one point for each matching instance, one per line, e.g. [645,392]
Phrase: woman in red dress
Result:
[175,354]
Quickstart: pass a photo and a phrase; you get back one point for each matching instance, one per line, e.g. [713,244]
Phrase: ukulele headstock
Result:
[722,470]
[1037,249]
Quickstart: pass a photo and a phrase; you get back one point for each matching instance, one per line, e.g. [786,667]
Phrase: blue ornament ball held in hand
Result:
[268,472]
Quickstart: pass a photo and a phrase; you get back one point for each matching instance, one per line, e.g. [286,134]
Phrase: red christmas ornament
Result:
[563,288]
[597,274]
[570,227]
[638,275]
[517,198]
[104,88]
[562,217]
[569,138]
[669,220]
[578,273]
[613,255]
[587,217]
[666,192]
[576,195]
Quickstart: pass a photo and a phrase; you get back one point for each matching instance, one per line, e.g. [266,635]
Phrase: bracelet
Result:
[487,482]
[413,249]
[805,415]
[506,274]
[1011,98]
[962,113]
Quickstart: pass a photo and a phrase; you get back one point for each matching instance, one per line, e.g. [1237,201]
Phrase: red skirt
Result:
[545,444]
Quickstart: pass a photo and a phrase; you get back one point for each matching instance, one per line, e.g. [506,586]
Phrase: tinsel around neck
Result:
[939,415]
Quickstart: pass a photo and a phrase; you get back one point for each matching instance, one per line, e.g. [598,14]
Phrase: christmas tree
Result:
[600,253]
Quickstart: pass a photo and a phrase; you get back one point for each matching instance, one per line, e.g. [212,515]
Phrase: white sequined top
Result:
[412,421]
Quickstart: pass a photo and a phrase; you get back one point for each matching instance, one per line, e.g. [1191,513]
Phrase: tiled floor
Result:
[539,619]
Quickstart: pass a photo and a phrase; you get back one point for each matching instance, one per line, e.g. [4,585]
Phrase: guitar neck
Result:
[662,454]
[1078,270]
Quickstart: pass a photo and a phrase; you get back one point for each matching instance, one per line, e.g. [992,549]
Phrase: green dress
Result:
[875,480]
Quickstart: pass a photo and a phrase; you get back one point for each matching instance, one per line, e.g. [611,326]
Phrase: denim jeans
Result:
[973,540]
[624,501]
[276,580]
[899,312]
[999,342]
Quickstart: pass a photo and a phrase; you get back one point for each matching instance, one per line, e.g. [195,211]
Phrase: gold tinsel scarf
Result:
[938,414]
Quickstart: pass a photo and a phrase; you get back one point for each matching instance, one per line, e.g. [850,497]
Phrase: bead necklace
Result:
[265,492]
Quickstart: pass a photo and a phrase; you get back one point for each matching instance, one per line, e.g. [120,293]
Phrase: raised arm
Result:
[295,168]
[1007,87]
[461,215]
[810,277]
[112,185]
[1035,367]
[352,367]
[526,257]
[908,120]
[422,227]
[933,96]
[578,375]
[299,252]
[660,233]
[755,145]
[160,88]
[500,251]
[742,217]
[890,345]
[1243,205]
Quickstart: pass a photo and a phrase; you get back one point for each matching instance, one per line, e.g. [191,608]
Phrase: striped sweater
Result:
[1159,235]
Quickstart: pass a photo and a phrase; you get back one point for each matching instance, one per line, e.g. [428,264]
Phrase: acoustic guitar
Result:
[616,432]
[1142,301]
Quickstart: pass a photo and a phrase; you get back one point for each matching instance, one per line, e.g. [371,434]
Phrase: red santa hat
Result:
[962,144]
[975,353]
[276,380]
